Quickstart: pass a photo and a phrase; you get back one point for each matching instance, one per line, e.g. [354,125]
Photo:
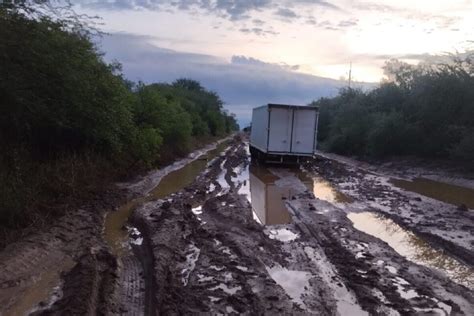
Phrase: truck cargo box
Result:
[280,130]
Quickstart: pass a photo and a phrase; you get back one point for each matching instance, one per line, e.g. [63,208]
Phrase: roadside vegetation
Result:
[70,124]
[424,110]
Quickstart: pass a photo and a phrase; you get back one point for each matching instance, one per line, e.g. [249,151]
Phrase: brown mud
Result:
[234,237]
[444,225]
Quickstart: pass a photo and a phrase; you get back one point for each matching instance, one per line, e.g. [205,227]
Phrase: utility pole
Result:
[350,74]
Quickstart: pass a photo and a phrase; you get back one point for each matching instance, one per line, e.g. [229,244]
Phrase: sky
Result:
[253,52]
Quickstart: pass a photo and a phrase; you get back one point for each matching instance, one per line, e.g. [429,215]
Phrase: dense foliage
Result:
[425,110]
[69,121]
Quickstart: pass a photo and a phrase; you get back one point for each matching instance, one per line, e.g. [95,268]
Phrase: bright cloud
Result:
[312,38]
[321,36]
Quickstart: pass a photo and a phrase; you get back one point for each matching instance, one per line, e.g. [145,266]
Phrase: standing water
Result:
[45,288]
[412,247]
[268,198]
[268,195]
[117,236]
[323,189]
[448,193]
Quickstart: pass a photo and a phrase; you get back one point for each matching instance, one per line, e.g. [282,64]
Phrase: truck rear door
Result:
[304,123]
[280,129]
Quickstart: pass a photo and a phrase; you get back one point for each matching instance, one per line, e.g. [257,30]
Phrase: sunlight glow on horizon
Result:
[365,36]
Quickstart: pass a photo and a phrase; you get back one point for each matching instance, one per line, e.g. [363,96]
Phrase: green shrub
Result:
[70,124]
[427,110]
[464,150]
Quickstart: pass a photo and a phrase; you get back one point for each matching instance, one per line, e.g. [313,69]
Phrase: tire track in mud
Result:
[202,252]
[30,269]
[132,283]
[440,224]
[67,268]
[210,259]
[137,287]
[406,287]
[346,266]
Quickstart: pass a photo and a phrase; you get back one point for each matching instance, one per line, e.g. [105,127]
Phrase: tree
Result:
[425,110]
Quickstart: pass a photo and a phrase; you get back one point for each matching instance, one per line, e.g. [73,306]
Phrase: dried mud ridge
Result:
[201,252]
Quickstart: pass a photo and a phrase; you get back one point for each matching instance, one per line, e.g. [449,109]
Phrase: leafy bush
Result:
[56,92]
[464,150]
[426,110]
[70,124]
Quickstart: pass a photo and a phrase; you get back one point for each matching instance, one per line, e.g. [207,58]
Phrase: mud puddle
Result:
[268,197]
[115,232]
[45,290]
[412,247]
[323,189]
[444,192]
[293,282]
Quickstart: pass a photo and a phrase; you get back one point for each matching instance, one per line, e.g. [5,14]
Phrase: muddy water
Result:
[412,247]
[323,189]
[448,193]
[268,198]
[117,236]
[45,288]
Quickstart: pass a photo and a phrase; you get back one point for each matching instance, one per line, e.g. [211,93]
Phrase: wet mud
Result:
[448,227]
[219,234]
[449,193]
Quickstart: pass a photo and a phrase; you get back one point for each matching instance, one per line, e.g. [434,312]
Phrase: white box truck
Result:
[283,133]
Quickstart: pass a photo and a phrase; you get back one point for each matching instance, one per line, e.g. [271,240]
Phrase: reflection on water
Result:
[324,190]
[115,234]
[412,247]
[448,193]
[267,198]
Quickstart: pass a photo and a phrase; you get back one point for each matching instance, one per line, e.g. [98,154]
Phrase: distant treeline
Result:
[70,122]
[425,111]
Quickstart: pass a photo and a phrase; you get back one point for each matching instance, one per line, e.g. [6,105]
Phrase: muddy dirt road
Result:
[218,234]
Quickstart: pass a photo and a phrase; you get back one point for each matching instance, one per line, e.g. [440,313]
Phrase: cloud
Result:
[441,20]
[235,9]
[258,22]
[258,31]
[413,58]
[332,26]
[312,21]
[231,9]
[243,60]
[243,82]
[320,3]
[377,7]
[286,13]
[122,4]
[348,23]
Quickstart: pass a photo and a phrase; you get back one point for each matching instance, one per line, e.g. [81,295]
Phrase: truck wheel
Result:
[253,153]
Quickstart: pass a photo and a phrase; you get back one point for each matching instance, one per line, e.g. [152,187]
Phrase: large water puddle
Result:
[268,198]
[46,288]
[323,189]
[448,193]
[117,236]
[412,247]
